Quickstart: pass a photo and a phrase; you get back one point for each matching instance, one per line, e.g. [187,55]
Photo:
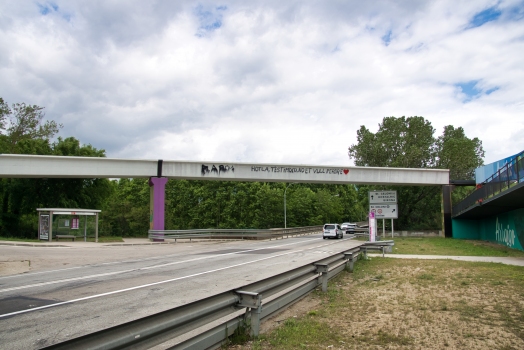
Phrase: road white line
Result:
[152,284]
[131,270]
[128,261]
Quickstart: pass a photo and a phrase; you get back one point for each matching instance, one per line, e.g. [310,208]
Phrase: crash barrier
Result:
[255,234]
[260,300]
[383,246]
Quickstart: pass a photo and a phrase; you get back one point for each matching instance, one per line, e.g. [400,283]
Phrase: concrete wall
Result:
[414,233]
[506,229]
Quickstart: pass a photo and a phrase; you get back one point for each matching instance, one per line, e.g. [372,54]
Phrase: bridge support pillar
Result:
[446,208]
[157,204]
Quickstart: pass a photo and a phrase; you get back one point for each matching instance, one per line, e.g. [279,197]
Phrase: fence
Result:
[256,234]
[506,177]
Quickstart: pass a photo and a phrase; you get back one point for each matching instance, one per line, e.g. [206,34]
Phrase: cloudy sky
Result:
[264,81]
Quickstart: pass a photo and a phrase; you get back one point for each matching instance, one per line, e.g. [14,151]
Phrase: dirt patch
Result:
[8,268]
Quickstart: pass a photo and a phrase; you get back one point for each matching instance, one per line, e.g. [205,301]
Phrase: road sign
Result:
[380,197]
[384,211]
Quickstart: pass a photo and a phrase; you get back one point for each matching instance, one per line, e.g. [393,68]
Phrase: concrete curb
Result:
[77,244]
[34,245]
[97,245]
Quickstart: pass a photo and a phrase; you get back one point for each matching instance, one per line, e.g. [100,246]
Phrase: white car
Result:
[348,227]
[332,231]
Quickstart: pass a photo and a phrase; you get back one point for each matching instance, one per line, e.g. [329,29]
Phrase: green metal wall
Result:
[506,229]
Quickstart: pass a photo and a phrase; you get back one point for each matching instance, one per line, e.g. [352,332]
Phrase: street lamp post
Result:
[285,213]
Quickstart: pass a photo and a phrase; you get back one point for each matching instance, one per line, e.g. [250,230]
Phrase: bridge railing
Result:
[255,234]
[506,177]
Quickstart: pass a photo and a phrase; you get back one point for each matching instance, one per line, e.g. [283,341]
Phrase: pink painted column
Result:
[157,204]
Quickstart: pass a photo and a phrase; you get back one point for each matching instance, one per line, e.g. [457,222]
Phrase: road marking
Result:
[154,283]
[41,284]
[131,261]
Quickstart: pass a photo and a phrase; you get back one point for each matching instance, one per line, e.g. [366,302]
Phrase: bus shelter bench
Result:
[65,236]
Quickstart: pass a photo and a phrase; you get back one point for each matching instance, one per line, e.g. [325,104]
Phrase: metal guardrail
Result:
[379,245]
[256,234]
[260,299]
[510,174]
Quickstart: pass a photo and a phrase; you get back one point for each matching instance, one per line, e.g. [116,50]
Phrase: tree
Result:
[268,209]
[126,210]
[399,142]
[24,123]
[300,206]
[409,143]
[458,153]
[4,112]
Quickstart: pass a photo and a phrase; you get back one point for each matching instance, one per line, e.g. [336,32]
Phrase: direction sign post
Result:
[384,206]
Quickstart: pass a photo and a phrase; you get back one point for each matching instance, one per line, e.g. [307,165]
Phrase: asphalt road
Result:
[76,290]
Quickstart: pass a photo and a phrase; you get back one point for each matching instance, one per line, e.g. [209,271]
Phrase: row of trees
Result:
[219,204]
[399,142]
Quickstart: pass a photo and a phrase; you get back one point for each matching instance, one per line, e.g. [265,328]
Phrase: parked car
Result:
[348,227]
[332,231]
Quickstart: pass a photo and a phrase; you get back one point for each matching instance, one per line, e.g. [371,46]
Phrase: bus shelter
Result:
[45,221]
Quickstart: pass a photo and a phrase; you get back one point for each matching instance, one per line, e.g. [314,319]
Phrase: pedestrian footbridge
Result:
[159,171]
[495,210]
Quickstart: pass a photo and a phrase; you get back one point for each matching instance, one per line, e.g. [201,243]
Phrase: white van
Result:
[332,231]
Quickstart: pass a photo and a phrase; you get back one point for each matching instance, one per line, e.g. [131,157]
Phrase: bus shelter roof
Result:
[69,211]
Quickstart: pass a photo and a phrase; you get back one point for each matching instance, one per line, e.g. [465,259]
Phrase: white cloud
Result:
[278,82]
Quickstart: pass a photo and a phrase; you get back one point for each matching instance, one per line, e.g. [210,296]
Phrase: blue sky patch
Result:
[515,13]
[488,15]
[489,91]
[47,8]
[469,89]
[473,91]
[386,39]
[210,19]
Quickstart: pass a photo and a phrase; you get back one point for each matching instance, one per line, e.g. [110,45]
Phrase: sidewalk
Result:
[494,259]
[82,244]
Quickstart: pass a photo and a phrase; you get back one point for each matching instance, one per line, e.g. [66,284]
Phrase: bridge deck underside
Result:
[505,201]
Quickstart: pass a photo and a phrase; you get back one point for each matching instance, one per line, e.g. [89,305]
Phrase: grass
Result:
[449,246]
[304,333]
[410,304]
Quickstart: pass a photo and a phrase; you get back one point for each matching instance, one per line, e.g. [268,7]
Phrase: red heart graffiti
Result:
[346,171]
